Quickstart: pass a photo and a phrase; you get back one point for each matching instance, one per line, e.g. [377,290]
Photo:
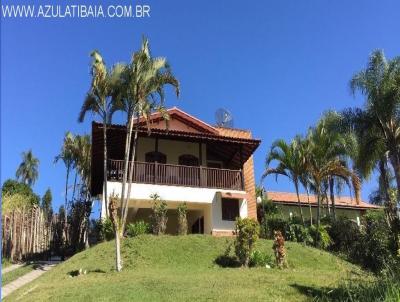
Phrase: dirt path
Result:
[25,279]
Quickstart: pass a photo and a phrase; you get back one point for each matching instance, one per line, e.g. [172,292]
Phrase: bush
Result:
[258,258]
[137,228]
[104,229]
[373,248]
[320,236]
[247,231]
[301,234]
[182,219]
[344,234]
[159,216]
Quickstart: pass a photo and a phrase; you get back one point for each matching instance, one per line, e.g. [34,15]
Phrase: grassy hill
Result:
[171,268]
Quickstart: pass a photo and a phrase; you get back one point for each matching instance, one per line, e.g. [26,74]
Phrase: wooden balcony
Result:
[178,175]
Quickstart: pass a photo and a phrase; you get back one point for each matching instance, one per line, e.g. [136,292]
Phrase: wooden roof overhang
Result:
[231,149]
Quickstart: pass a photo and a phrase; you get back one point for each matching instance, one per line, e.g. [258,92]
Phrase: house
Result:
[344,206]
[209,168]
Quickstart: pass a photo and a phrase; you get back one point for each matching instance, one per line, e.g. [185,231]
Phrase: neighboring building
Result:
[209,168]
[345,206]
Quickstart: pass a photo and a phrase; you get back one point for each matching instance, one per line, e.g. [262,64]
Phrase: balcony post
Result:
[241,179]
[155,172]
[201,181]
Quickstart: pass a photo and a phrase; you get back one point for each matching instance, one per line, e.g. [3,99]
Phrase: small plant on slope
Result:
[247,232]
[182,219]
[159,216]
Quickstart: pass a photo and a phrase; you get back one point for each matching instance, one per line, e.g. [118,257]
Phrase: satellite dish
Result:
[223,118]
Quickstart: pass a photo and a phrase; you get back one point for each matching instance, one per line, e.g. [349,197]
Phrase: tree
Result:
[27,171]
[99,100]
[67,156]
[46,202]
[143,93]
[290,164]
[13,187]
[323,163]
[378,125]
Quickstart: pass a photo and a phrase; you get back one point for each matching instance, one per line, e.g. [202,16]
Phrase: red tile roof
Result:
[340,201]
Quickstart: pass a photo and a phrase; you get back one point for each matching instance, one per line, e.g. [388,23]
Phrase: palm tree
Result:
[378,126]
[67,156]
[27,171]
[380,132]
[290,164]
[145,78]
[141,93]
[99,100]
[324,163]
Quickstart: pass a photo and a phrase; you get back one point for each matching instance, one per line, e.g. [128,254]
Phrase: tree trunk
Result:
[105,162]
[332,193]
[118,263]
[296,185]
[319,208]
[126,162]
[309,206]
[131,170]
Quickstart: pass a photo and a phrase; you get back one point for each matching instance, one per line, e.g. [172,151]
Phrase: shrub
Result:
[182,219]
[247,231]
[258,258]
[373,248]
[104,229]
[137,228]
[344,234]
[159,216]
[320,236]
[301,234]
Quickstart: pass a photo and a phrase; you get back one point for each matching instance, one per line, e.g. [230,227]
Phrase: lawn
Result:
[172,268]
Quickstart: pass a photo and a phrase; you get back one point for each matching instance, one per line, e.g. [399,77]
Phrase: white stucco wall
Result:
[208,200]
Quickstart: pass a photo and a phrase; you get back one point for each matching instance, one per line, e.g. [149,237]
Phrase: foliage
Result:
[159,216]
[11,187]
[262,259]
[182,219]
[374,247]
[27,171]
[320,236]
[104,229]
[14,202]
[46,202]
[247,232]
[345,235]
[137,228]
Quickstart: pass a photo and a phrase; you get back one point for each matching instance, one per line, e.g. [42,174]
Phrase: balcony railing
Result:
[178,175]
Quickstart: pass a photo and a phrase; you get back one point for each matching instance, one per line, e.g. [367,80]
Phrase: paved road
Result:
[25,279]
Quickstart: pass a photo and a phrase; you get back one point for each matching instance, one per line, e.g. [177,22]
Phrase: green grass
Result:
[18,272]
[5,263]
[172,268]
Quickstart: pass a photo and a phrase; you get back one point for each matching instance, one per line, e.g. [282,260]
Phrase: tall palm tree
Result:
[379,125]
[379,82]
[144,82]
[67,156]
[324,163]
[141,93]
[290,164]
[99,100]
[27,171]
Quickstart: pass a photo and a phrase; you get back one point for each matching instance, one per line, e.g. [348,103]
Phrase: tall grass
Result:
[386,289]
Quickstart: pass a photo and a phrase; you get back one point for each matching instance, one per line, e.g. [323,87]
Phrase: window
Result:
[154,156]
[188,160]
[230,209]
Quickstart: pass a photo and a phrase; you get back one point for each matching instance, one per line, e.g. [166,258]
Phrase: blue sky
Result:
[276,65]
